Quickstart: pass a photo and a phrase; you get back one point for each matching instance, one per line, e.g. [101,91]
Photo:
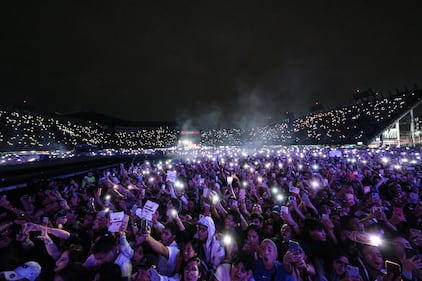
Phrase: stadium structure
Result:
[371,120]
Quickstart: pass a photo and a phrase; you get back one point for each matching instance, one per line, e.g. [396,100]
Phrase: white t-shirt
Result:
[168,266]
[223,272]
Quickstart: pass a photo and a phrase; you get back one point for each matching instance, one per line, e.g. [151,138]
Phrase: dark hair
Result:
[201,268]
[235,215]
[174,229]
[254,227]
[312,224]
[109,272]
[196,244]
[104,243]
[60,213]
[256,216]
[176,203]
[74,271]
[76,253]
[244,258]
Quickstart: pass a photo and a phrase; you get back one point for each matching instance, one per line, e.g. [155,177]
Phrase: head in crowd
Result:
[29,271]
[169,233]
[109,272]
[314,230]
[241,267]
[232,220]
[258,219]
[105,249]
[338,265]
[372,259]
[74,271]
[253,235]
[143,270]
[190,249]
[74,253]
[193,270]
[269,253]
[206,229]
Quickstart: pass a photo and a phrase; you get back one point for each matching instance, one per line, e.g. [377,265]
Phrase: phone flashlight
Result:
[227,240]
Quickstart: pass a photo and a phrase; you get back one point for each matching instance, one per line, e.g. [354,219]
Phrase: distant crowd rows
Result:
[345,125]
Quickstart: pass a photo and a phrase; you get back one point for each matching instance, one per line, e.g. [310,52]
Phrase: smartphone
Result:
[305,197]
[292,198]
[284,209]
[325,217]
[352,271]
[144,224]
[293,246]
[393,268]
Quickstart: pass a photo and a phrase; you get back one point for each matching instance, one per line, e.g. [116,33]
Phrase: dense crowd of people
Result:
[272,214]
[344,125]
[27,130]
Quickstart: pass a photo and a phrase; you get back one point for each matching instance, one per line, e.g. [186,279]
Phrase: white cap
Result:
[29,270]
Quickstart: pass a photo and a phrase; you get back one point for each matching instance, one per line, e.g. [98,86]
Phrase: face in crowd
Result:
[268,253]
[202,233]
[372,258]
[167,237]
[238,272]
[188,251]
[192,272]
[339,265]
[253,237]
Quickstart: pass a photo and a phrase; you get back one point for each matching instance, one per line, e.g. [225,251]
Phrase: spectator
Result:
[267,267]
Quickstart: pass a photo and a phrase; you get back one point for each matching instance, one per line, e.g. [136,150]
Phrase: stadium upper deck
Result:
[344,125]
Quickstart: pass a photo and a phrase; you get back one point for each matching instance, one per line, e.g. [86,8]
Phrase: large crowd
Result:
[351,124]
[270,214]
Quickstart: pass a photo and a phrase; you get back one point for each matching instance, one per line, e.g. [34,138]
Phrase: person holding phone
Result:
[108,249]
[295,262]
[167,248]
[408,258]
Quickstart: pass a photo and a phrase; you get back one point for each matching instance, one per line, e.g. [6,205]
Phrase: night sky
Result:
[210,62]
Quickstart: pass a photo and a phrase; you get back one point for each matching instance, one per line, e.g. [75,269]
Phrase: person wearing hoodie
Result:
[211,251]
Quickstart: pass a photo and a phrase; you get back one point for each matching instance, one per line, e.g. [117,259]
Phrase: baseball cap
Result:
[29,270]
[276,210]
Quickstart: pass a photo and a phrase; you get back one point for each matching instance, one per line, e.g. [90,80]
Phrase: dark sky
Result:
[207,61]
